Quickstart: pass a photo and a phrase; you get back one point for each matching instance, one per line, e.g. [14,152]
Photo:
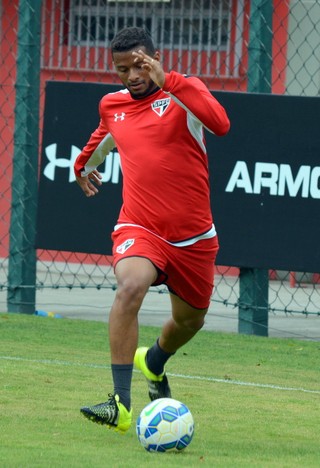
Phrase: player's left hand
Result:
[152,65]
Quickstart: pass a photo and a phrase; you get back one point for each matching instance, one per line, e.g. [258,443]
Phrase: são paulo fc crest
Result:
[160,106]
[124,246]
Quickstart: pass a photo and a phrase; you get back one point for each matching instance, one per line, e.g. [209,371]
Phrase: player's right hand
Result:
[89,182]
[152,65]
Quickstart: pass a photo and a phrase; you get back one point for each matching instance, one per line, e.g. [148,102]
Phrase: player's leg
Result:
[190,274]
[134,277]
[184,323]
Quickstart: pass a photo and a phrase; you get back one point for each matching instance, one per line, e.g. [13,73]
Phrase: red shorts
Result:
[187,271]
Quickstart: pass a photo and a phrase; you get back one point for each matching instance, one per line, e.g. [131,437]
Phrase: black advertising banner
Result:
[67,219]
[265,179]
[265,176]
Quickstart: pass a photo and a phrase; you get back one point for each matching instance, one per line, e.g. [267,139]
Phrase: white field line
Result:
[182,376]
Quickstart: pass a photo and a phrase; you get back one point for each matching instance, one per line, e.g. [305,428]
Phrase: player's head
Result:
[132,75]
[132,38]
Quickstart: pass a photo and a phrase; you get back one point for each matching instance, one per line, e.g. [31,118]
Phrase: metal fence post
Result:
[254,283]
[253,302]
[22,254]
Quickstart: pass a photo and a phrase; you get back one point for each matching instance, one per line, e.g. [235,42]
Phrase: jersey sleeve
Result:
[95,151]
[192,94]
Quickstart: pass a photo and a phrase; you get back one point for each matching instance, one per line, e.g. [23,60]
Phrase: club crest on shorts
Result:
[160,106]
[122,248]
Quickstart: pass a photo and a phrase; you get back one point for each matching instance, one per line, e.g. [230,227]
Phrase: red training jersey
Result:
[163,156]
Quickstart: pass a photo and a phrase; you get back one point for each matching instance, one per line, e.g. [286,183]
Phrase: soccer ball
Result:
[165,425]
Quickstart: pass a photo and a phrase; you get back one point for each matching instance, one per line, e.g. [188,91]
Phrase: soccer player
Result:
[165,232]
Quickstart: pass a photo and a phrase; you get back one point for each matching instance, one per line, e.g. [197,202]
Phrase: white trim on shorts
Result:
[207,235]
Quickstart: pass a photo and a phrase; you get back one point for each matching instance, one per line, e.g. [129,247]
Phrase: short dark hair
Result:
[130,38]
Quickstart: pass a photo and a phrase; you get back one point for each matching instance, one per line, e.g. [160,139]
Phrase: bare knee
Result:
[185,316]
[193,324]
[134,277]
[130,293]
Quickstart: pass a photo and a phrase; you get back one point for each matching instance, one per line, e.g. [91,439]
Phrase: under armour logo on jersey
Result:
[122,248]
[119,116]
[160,106]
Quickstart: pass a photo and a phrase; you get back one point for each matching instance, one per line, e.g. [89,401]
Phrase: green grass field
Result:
[255,401]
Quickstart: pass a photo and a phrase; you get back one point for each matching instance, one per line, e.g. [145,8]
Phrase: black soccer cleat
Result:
[112,413]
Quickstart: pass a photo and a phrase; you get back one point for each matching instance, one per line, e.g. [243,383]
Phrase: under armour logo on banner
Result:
[119,116]
[160,106]
[54,162]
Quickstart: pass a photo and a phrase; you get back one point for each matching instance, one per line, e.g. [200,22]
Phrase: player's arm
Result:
[92,155]
[191,94]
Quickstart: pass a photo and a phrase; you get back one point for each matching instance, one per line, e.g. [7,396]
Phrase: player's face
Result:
[131,73]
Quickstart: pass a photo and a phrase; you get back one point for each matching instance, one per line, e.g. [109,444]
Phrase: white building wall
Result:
[303,72]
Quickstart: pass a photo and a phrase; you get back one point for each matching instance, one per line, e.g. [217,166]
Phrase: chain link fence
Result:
[208,38]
